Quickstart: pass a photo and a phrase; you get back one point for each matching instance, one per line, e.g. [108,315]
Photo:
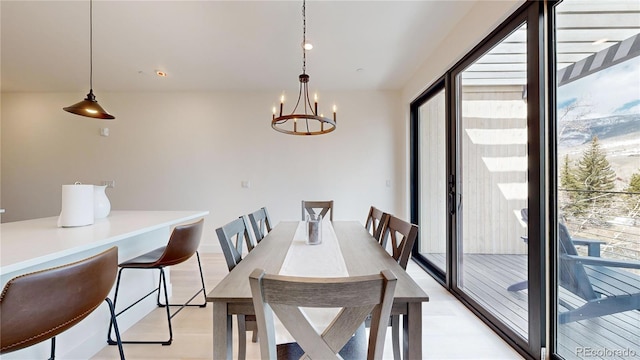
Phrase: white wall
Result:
[190,151]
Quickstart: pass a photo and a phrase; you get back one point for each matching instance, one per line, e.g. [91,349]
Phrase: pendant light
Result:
[307,121]
[89,106]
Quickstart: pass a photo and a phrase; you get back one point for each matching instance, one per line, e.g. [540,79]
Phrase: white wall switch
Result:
[245,184]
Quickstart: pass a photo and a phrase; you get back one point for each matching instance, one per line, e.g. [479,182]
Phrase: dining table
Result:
[356,250]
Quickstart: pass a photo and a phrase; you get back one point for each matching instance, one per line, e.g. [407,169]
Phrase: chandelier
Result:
[89,106]
[307,121]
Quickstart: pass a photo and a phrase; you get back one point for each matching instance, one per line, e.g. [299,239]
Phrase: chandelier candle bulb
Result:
[315,99]
[281,104]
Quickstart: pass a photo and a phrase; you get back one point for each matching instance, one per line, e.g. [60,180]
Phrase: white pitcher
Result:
[101,203]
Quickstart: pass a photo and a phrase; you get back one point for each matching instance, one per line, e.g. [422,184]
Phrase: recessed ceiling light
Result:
[307,46]
[601,41]
[161,73]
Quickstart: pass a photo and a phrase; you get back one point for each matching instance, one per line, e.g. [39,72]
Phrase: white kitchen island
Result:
[31,245]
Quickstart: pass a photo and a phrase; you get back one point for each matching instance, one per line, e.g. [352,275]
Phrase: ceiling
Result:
[218,45]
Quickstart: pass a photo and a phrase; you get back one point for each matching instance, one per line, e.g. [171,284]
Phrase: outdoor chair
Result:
[593,249]
[602,283]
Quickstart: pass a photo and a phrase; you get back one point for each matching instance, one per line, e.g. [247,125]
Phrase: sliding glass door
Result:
[430,136]
[597,238]
[492,161]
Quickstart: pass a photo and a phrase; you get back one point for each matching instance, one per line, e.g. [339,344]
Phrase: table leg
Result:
[412,333]
[222,332]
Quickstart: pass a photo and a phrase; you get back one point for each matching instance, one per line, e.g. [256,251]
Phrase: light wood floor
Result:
[450,331]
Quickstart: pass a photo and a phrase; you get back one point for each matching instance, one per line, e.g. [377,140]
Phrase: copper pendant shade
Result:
[89,106]
[308,121]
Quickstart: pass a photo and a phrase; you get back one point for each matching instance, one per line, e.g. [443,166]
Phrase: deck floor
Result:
[486,278]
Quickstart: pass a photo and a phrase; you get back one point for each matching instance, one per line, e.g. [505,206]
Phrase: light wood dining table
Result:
[362,255]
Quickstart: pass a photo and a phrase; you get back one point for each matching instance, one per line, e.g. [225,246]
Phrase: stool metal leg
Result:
[188,302]
[162,284]
[112,310]
[53,348]
[162,281]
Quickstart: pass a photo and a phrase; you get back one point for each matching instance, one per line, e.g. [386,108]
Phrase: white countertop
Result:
[32,242]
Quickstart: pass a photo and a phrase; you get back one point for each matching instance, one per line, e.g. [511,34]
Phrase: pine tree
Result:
[570,187]
[633,198]
[596,178]
[634,183]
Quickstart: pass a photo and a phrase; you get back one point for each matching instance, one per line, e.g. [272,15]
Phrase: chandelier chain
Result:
[304,38]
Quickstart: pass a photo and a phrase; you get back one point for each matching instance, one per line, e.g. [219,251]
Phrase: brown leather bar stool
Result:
[183,243]
[38,306]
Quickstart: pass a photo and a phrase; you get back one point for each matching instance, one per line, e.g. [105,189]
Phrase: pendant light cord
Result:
[91,45]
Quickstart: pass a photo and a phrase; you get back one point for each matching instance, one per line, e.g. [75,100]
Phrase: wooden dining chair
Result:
[232,236]
[41,305]
[317,207]
[376,222]
[357,297]
[402,235]
[260,223]
[182,245]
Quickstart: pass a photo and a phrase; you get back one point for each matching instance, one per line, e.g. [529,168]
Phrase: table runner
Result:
[321,260]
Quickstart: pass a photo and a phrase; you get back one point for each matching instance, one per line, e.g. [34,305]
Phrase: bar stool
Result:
[183,243]
[38,306]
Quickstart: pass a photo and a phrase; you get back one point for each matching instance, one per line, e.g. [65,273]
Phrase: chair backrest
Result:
[357,297]
[573,277]
[260,223]
[317,207]
[403,235]
[183,243]
[231,237]
[376,222]
[40,305]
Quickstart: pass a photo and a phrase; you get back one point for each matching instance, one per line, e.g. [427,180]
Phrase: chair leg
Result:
[162,281]
[188,302]
[254,337]
[53,348]
[112,310]
[395,336]
[242,338]
[110,341]
[522,285]
[162,284]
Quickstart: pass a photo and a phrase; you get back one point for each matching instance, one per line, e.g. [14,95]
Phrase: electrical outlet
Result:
[109,183]
[245,184]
